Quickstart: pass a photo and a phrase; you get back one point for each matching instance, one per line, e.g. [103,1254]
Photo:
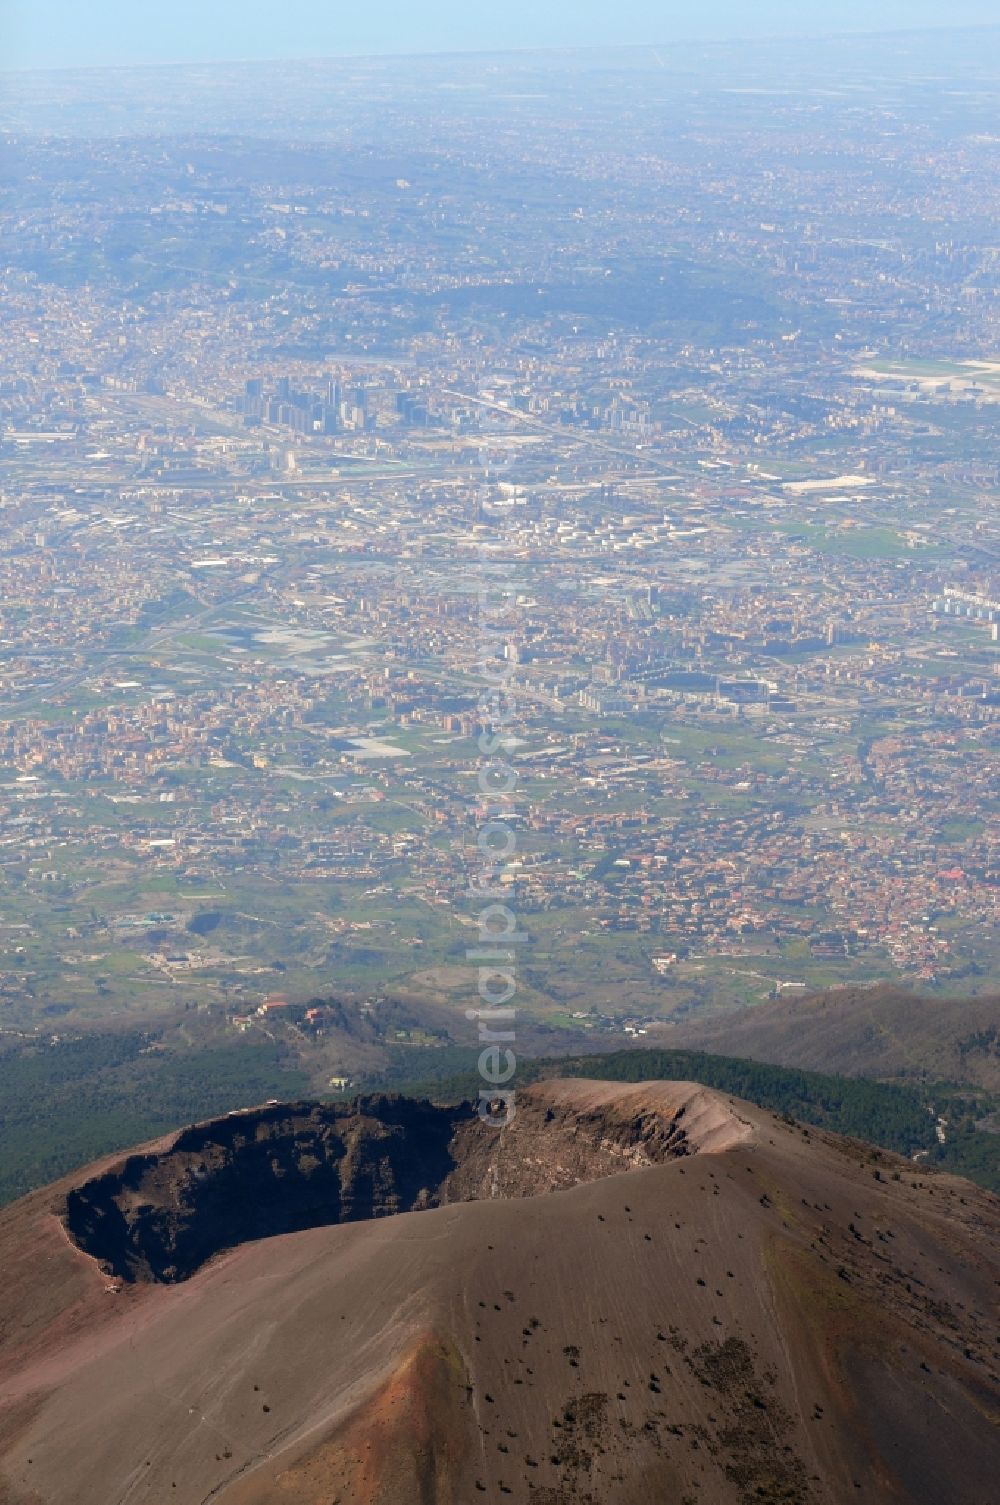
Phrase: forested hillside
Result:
[66,1103]
[62,1105]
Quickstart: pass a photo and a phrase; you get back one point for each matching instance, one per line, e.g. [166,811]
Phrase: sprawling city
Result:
[722,421]
[595,451]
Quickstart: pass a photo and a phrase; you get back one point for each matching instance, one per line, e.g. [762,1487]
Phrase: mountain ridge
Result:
[882,1032]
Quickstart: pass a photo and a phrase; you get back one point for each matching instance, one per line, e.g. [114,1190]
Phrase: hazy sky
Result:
[67,33]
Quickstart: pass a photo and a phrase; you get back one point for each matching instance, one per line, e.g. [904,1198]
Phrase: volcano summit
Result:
[643,1292]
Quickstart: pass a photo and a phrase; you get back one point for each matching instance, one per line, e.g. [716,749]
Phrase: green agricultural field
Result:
[855,542]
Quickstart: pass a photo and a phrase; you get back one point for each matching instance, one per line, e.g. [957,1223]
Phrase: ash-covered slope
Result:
[718,1306]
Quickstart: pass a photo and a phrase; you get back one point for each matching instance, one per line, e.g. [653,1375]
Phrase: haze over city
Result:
[100,33]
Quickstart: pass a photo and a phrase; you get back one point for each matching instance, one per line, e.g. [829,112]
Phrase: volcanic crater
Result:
[160,1214]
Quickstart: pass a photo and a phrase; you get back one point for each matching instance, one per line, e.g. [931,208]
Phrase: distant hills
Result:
[898,1062]
[882,1032]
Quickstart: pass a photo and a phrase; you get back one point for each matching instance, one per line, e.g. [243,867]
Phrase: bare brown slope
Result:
[762,1319]
[872,1032]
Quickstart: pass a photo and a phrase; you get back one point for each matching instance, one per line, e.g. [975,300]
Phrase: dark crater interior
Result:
[159,1216]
